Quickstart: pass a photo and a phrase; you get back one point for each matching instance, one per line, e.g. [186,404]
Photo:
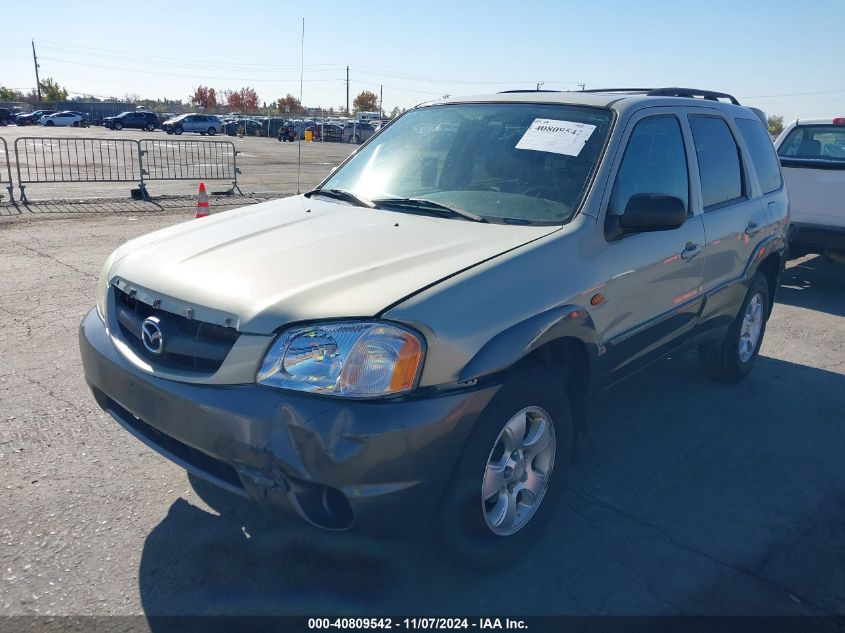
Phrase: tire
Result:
[177,130]
[355,139]
[202,133]
[731,359]
[117,126]
[211,131]
[49,124]
[150,128]
[463,527]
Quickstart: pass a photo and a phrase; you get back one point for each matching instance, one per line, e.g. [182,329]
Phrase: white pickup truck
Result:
[812,154]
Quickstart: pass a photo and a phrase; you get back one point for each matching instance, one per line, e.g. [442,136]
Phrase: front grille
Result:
[188,344]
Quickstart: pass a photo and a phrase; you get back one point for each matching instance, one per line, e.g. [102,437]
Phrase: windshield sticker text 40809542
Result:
[558,137]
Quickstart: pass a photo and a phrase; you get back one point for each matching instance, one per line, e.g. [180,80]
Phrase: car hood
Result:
[299,259]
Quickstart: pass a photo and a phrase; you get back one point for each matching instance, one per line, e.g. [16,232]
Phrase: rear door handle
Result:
[752,229]
[691,251]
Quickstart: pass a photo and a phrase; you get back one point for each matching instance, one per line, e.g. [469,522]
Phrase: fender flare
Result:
[519,340]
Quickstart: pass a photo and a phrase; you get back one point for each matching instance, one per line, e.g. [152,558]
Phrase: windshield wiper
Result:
[342,194]
[428,205]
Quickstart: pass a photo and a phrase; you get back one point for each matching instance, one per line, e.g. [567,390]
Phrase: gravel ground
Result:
[692,497]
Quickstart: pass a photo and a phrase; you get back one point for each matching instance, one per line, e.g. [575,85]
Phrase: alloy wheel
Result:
[518,471]
[752,325]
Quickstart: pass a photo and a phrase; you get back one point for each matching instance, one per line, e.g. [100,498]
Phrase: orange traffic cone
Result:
[202,202]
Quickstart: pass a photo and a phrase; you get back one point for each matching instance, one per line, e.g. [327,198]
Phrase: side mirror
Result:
[646,212]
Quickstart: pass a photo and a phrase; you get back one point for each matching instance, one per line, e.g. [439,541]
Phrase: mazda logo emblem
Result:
[151,335]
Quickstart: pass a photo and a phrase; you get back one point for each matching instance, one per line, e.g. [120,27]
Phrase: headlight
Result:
[103,287]
[353,359]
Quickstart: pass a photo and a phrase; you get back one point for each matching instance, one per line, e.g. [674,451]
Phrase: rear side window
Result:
[654,162]
[719,162]
[820,142]
[762,152]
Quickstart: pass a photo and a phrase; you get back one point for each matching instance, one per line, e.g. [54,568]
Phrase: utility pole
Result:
[37,80]
[539,83]
[380,106]
[582,86]
[347,91]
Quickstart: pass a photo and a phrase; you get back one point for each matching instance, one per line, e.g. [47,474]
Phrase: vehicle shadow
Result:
[693,502]
[816,284]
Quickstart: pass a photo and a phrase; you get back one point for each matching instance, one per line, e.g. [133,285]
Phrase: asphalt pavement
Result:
[691,497]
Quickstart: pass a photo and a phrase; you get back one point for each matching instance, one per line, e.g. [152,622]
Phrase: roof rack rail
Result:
[671,92]
[692,92]
[632,90]
[507,92]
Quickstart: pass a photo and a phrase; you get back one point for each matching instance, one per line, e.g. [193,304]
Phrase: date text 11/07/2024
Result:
[417,623]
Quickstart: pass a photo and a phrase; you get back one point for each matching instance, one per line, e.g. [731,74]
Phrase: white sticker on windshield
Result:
[558,137]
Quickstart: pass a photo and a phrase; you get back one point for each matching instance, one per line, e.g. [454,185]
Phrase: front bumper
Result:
[377,467]
[815,238]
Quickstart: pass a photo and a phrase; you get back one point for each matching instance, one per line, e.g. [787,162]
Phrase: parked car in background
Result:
[140,120]
[33,117]
[200,123]
[247,127]
[6,117]
[62,119]
[330,132]
[354,132]
[812,155]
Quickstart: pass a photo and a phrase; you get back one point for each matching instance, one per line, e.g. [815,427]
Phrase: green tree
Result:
[7,94]
[52,91]
[365,102]
[775,124]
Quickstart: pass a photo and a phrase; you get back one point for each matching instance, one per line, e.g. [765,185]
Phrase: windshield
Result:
[501,161]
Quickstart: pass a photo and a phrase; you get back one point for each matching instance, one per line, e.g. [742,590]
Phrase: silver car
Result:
[416,342]
[200,123]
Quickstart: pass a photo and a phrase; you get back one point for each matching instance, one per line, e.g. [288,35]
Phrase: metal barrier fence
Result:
[80,160]
[190,160]
[4,156]
[53,160]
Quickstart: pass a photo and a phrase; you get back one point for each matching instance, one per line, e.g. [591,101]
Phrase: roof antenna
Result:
[301,74]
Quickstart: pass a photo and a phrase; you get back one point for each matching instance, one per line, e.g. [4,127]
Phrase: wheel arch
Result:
[562,340]
[769,259]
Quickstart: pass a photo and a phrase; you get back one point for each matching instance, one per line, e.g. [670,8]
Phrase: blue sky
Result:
[785,57]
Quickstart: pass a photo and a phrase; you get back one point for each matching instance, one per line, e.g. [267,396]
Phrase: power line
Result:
[194,76]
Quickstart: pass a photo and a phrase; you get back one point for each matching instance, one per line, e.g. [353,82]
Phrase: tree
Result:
[775,124]
[243,100]
[365,102]
[395,112]
[52,91]
[289,104]
[7,94]
[205,97]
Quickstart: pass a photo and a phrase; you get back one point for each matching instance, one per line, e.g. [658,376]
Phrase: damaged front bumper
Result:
[377,466]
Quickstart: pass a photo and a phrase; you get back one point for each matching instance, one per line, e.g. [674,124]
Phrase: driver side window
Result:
[654,162]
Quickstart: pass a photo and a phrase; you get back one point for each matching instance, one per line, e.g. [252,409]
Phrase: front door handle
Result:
[752,229]
[690,251]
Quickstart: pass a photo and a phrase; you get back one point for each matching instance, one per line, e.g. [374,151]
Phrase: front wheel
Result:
[731,359]
[117,126]
[177,131]
[49,124]
[150,127]
[211,131]
[502,491]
